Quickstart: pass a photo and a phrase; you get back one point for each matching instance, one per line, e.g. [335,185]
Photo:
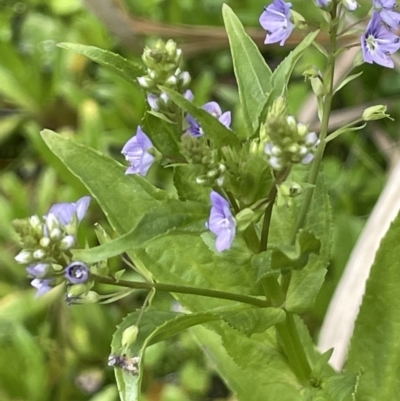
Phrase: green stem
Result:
[204,292]
[326,110]
[294,349]
[268,211]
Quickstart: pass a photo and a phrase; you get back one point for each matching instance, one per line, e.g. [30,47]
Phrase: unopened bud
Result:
[39,254]
[67,242]
[144,82]
[55,234]
[24,257]
[129,336]
[44,242]
[375,113]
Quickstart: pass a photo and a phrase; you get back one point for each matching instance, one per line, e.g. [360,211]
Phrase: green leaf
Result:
[252,73]
[306,283]
[375,345]
[295,256]
[164,136]
[254,320]
[214,130]
[251,367]
[126,69]
[171,216]
[346,81]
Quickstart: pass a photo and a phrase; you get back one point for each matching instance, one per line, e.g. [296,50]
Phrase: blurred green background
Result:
[51,351]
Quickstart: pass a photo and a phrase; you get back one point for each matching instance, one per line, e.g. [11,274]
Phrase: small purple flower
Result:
[77,273]
[276,20]
[64,212]
[221,222]
[214,109]
[378,43]
[42,286]
[386,11]
[323,3]
[136,153]
[38,270]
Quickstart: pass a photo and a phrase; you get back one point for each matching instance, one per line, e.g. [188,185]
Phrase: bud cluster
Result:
[163,64]
[46,246]
[208,167]
[284,140]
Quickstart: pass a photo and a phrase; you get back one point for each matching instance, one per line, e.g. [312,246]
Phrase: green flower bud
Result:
[77,290]
[290,189]
[244,219]
[129,336]
[375,113]
[45,242]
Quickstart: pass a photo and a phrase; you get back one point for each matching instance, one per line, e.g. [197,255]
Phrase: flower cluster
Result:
[285,141]
[163,64]
[46,245]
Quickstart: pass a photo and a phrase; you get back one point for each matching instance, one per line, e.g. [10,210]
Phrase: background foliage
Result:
[54,352]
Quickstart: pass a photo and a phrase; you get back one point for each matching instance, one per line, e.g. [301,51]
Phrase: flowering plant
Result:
[241,234]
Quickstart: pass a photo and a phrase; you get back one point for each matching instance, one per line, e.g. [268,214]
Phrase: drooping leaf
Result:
[252,73]
[375,344]
[126,69]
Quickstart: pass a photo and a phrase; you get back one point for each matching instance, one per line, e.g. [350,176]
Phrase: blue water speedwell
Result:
[77,272]
[378,43]
[136,153]
[323,3]
[65,212]
[221,222]
[276,20]
[386,11]
[42,286]
[214,109]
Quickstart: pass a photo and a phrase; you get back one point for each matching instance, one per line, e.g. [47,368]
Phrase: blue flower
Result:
[64,212]
[323,3]
[136,153]
[77,273]
[214,109]
[42,286]
[390,17]
[38,270]
[276,20]
[221,222]
[378,43]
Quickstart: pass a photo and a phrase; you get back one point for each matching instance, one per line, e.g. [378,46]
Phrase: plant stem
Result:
[293,349]
[326,110]
[268,211]
[204,292]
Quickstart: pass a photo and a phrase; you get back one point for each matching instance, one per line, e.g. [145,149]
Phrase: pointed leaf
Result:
[126,69]
[252,73]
